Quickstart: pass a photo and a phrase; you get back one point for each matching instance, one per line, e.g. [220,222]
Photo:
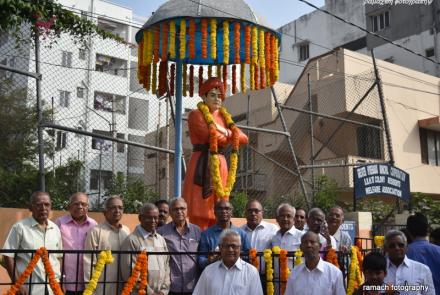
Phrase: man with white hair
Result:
[287,237]
[231,275]
[409,276]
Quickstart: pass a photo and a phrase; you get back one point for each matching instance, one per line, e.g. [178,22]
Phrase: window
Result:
[118,29]
[303,51]
[111,65]
[66,59]
[100,179]
[429,52]
[430,146]
[82,54]
[109,102]
[369,142]
[64,99]
[380,21]
[106,145]
[61,140]
[80,92]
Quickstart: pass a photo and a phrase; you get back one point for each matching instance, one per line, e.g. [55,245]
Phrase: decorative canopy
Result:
[206,32]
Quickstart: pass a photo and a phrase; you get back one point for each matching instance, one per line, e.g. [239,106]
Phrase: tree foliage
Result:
[133,191]
[427,206]
[47,16]
[238,201]
[326,194]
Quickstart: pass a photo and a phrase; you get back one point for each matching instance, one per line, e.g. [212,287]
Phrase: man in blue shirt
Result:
[210,237]
[421,250]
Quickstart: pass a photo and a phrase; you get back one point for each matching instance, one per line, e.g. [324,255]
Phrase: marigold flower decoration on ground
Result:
[213,148]
[141,267]
[354,275]
[105,257]
[43,254]
[253,259]
[267,254]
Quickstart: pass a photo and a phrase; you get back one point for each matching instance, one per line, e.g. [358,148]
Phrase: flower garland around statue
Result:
[43,254]
[105,257]
[213,148]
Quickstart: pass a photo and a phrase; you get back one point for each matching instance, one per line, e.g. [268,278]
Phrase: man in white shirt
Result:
[335,218]
[406,275]
[288,237]
[258,231]
[315,276]
[230,275]
[301,220]
[317,224]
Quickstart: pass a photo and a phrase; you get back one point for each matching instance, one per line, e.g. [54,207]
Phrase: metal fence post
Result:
[41,173]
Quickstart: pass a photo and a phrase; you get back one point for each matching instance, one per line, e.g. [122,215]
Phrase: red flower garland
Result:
[191,81]
[272,55]
[200,76]
[172,78]
[204,23]
[192,39]
[209,71]
[163,71]
[225,78]
[156,41]
[234,89]
[165,31]
[237,42]
[247,44]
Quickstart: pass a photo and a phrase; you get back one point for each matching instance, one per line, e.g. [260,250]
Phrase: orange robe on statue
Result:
[201,209]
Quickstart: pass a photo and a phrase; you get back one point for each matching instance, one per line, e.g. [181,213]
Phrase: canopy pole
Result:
[178,136]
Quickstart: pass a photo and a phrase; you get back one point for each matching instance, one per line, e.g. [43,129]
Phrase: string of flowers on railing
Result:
[267,254]
[141,267]
[354,275]
[332,257]
[378,241]
[253,259]
[105,257]
[43,254]
[298,257]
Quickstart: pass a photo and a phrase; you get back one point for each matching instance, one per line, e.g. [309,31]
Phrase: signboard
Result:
[350,228]
[382,180]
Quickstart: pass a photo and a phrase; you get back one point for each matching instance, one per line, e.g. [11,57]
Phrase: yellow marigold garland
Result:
[149,47]
[172,44]
[214,158]
[276,61]
[253,259]
[261,50]
[105,257]
[243,77]
[298,257]
[267,254]
[354,275]
[252,76]
[254,45]
[43,254]
[225,42]
[213,38]
[182,39]
[378,241]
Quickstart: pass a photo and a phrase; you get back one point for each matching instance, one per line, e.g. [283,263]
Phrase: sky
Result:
[276,12]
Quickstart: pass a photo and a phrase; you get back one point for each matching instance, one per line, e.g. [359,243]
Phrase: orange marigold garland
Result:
[243,77]
[192,38]
[284,270]
[140,267]
[247,44]
[237,42]
[172,39]
[43,254]
[267,48]
[272,55]
[234,86]
[225,42]
[332,257]
[165,31]
[149,48]
[213,38]
[253,259]
[172,78]
[156,43]
[204,29]
[200,76]
[182,39]
[225,78]
[191,81]
[184,78]
[263,78]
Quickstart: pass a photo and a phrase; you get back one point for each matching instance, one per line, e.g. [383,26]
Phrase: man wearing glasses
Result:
[181,236]
[405,275]
[230,275]
[74,228]
[258,231]
[210,237]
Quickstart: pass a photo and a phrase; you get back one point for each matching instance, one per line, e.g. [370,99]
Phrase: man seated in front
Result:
[230,275]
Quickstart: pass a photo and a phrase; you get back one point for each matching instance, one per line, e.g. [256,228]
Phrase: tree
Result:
[327,192]
[238,201]
[133,191]
[427,206]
